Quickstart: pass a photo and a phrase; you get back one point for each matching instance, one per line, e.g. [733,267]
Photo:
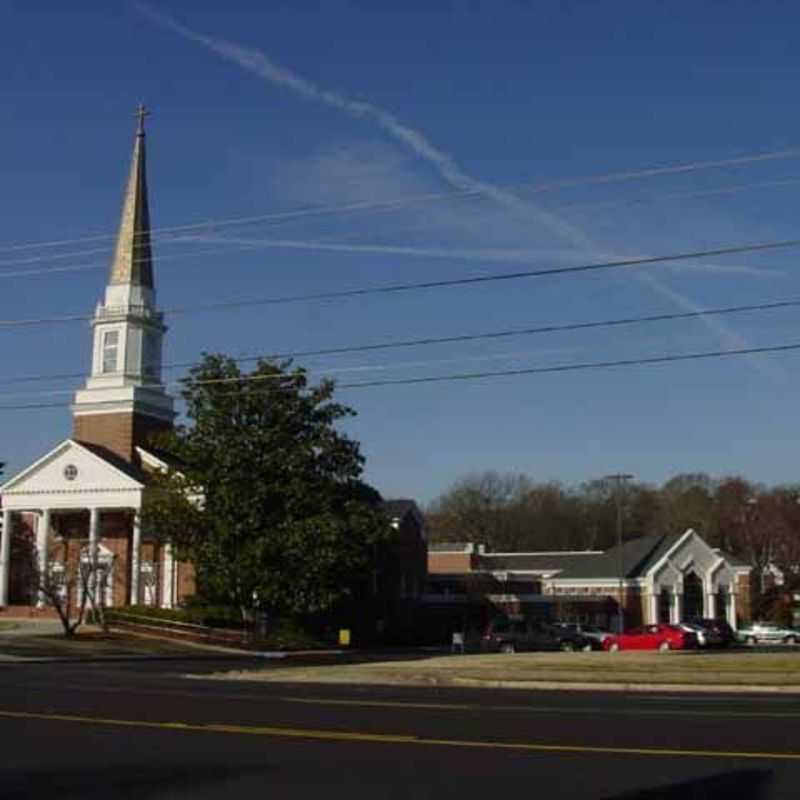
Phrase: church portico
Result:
[699,581]
[54,539]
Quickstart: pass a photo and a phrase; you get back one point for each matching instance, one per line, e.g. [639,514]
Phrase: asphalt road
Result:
[141,729]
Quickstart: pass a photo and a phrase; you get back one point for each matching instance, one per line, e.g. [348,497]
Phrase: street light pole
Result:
[619,479]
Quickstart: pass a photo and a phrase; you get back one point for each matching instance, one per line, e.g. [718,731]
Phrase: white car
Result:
[768,632]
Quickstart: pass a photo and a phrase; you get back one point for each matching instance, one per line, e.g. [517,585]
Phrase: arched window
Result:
[664,606]
[692,595]
[721,604]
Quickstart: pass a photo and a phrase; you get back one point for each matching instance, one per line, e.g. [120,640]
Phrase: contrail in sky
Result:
[260,64]
[505,255]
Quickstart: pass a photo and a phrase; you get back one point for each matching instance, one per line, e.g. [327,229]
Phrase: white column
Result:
[167,580]
[136,552]
[678,607]
[653,609]
[94,538]
[42,538]
[711,606]
[732,609]
[5,556]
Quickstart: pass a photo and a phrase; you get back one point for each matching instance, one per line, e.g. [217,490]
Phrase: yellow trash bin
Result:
[344,637]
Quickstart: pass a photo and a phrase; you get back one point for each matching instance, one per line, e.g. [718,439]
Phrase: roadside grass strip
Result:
[780,669]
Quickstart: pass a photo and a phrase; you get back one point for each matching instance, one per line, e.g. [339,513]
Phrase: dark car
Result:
[723,633]
[595,635]
[514,634]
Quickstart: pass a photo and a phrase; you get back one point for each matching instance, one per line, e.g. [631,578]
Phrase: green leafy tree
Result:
[264,495]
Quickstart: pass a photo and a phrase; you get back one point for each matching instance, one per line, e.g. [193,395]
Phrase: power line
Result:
[470,376]
[440,284]
[630,362]
[531,187]
[465,337]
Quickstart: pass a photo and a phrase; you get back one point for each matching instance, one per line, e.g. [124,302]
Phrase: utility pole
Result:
[619,479]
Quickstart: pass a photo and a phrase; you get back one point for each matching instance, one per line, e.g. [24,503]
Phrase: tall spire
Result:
[133,257]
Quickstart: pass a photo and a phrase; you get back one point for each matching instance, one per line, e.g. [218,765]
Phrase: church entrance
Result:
[102,576]
[664,606]
[692,596]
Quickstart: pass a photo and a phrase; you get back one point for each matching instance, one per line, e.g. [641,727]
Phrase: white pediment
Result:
[70,470]
[689,553]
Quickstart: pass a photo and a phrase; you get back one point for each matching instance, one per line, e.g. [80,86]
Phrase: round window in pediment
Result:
[70,472]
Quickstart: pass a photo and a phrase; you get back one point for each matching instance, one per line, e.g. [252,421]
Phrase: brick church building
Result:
[82,499]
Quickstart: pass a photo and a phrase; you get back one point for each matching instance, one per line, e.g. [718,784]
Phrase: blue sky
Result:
[256,112]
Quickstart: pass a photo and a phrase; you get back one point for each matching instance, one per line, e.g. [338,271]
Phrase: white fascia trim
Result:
[107,464]
[569,582]
[151,460]
[665,557]
[715,567]
[36,464]
[544,573]
[550,553]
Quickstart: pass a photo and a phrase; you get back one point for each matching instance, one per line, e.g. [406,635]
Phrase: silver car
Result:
[767,632]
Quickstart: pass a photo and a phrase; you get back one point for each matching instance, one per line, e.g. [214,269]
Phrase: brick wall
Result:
[449,563]
[744,605]
[186,580]
[119,433]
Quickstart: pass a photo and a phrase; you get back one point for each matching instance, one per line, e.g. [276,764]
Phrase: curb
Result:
[586,686]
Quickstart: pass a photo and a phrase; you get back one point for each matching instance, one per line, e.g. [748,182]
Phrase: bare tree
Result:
[61,586]
[482,507]
[786,541]
[72,586]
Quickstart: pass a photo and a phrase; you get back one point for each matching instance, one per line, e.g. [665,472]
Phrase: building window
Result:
[110,351]
[151,360]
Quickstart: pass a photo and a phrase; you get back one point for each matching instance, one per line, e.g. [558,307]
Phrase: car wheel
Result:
[567,647]
[664,646]
[750,640]
[790,640]
[508,648]
[613,647]
[587,648]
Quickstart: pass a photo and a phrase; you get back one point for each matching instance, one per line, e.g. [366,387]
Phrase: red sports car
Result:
[651,637]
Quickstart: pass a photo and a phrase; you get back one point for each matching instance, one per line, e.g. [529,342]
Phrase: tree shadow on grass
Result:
[124,781]
[751,784]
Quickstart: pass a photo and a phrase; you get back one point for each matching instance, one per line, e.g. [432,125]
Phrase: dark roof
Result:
[114,460]
[638,555]
[510,562]
[400,507]
[451,547]
[731,559]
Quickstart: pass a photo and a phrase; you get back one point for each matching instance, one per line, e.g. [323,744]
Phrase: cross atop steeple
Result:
[141,113]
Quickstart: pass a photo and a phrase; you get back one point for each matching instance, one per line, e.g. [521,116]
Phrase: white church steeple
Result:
[124,394]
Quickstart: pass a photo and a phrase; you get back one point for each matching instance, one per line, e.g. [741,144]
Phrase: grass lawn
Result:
[698,668]
[88,643]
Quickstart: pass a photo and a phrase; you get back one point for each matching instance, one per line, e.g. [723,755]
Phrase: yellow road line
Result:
[580,710]
[325,701]
[385,738]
